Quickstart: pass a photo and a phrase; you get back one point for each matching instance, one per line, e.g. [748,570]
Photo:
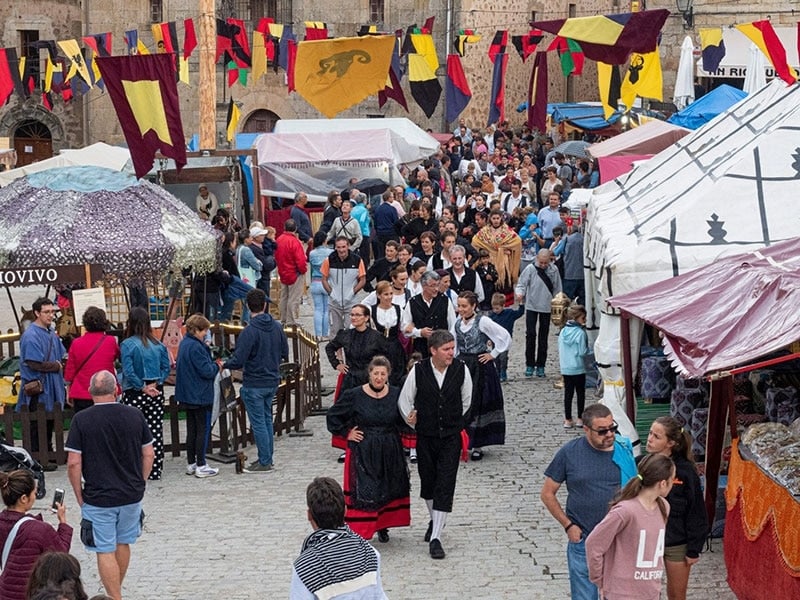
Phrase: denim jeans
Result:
[258,403]
[580,586]
[322,325]
[235,290]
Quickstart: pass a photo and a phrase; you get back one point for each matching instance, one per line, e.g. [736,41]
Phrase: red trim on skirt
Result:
[397,513]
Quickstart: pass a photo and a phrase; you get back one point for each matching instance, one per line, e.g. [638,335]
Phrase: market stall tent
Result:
[717,317]
[321,161]
[705,108]
[96,155]
[724,189]
[650,138]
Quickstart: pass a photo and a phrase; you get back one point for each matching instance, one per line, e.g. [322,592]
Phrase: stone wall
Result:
[53,20]
[63,19]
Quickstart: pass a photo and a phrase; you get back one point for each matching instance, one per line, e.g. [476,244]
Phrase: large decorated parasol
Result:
[91,215]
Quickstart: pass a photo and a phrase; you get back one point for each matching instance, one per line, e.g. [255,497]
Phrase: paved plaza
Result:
[234,537]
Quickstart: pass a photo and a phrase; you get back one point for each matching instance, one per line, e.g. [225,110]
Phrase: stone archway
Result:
[32,127]
[260,121]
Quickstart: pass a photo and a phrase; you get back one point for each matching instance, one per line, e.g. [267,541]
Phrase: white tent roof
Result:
[410,143]
[319,162]
[728,187]
[96,155]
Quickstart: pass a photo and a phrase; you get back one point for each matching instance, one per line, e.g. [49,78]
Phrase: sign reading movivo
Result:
[25,276]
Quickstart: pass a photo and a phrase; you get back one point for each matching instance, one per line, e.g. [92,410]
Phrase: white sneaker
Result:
[190,469]
[205,471]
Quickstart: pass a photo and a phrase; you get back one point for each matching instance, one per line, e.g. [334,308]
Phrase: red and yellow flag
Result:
[145,96]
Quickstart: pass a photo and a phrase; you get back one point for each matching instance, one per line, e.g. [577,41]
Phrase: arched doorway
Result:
[33,142]
[260,121]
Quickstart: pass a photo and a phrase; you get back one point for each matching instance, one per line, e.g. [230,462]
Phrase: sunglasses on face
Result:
[606,430]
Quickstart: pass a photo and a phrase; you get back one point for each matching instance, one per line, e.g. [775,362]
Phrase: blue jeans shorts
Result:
[103,527]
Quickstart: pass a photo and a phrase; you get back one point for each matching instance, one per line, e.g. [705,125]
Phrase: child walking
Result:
[505,317]
[625,551]
[573,345]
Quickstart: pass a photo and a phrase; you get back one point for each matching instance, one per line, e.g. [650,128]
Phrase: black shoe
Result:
[476,455]
[436,549]
[429,531]
[383,535]
[49,467]
[340,460]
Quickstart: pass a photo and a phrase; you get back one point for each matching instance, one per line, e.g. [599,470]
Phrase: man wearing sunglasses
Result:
[594,467]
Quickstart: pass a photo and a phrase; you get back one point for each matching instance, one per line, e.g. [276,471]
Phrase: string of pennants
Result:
[72,70]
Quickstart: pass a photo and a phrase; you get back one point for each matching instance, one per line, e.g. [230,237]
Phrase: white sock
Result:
[412,452]
[439,517]
[429,504]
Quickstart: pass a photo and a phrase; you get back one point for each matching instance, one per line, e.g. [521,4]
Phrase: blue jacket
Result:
[361,214]
[507,317]
[195,373]
[259,351]
[572,347]
[142,363]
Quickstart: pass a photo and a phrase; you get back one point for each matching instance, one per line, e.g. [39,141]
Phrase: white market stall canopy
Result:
[729,187]
[326,156]
[96,155]
[410,143]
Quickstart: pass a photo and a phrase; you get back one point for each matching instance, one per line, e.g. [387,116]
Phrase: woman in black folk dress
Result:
[349,353]
[376,481]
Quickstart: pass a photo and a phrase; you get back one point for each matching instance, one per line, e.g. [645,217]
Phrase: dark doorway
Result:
[33,142]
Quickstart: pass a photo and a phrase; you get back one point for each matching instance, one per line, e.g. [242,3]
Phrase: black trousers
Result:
[197,419]
[536,342]
[574,384]
[437,463]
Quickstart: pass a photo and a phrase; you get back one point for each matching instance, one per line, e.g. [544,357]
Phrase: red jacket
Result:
[290,258]
[34,538]
[103,358]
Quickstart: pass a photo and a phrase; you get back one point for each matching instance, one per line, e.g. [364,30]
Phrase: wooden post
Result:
[207,78]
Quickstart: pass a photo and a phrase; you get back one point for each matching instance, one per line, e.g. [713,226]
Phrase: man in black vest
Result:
[462,278]
[427,312]
[434,399]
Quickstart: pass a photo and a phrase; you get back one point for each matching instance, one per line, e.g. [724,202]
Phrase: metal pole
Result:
[207,77]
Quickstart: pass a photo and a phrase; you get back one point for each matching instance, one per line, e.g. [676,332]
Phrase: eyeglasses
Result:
[606,430]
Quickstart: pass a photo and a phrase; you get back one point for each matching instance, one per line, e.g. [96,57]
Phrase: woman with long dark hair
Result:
[145,366]
[376,480]
[60,571]
[32,536]
[687,525]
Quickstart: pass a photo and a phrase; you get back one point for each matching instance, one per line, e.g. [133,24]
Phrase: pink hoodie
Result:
[625,552]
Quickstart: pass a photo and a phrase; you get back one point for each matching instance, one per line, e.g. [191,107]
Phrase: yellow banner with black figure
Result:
[643,78]
[333,75]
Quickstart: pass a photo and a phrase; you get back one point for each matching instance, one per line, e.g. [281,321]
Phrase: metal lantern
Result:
[558,309]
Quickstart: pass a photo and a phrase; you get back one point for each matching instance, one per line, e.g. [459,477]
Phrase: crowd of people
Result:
[414,298]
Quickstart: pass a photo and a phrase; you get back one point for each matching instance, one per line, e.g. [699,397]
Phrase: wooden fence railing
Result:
[298,394]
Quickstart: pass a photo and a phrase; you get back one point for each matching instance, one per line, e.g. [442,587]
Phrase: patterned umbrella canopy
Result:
[576,148]
[78,215]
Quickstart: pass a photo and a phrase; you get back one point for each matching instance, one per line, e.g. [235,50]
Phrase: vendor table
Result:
[762,533]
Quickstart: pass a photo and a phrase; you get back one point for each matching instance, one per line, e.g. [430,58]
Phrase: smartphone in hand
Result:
[58,498]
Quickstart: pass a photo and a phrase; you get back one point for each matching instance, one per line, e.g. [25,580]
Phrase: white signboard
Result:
[83,299]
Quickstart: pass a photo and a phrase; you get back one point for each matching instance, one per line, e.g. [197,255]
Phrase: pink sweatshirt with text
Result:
[625,552]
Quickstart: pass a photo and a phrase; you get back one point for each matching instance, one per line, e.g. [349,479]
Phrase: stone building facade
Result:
[91,118]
